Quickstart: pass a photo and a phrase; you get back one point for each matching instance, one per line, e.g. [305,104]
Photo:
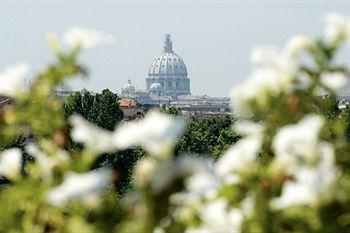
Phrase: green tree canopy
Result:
[207,135]
[101,109]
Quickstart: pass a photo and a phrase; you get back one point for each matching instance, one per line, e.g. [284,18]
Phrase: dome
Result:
[128,87]
[168,62]
[156,89]
[169,71]
[156,86]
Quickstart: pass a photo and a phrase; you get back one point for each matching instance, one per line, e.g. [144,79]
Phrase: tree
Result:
[207,135]
[173,111]
[103,110]
[100,109]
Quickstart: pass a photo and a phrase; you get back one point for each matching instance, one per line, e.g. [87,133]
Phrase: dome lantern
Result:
[168,44]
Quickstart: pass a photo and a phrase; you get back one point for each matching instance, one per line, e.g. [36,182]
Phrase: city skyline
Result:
[214,39]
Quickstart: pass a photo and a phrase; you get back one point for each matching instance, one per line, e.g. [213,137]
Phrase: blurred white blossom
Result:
[267,55]
[284,62]
[157,133]
[144,171]
[200,186]
[188,205]
[247,205]
[277,73]
[334,81]
[296,45]
[311,186]
[90,135]
[172,170]
[204,182]
[84,187]
[337,29]
[46,162]
[281,59]
[12,79]
[240,157]
[85,38]
[248,128]
[11,163]
[219,217]
[298,143]
[257,87]
[310,161]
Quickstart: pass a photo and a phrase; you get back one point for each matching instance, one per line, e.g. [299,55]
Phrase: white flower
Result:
[170,171]
[298,142]
[92,136]
[202,185]
[257,87]
[45,162]
[79,186]
[12,79]
[187,205]
[277,74]
[218,217]
[86,38]
[144,171]
[312,185]
[204,182]
[248,128]
[158,230]
[157,133]
[247,205]
[268,55]
[296,45]
[11,163]
[284,62]
[240,157]
[333,81]
[337,29]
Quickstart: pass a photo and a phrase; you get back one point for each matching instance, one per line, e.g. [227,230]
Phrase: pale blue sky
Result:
[214,38]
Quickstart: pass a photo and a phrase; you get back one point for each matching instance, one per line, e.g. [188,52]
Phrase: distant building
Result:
[169,72]
[64,94]
[131,109]
[167,79]
[168,85]
[128,90]
[152,97]
[203,105]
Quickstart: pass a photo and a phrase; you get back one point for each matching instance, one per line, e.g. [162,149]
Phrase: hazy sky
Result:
[214,38]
